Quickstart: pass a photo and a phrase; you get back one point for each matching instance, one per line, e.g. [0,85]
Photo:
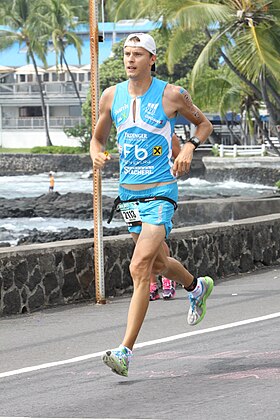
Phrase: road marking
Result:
[140,345]
[60,418]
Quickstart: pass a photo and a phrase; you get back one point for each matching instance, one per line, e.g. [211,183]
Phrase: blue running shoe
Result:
[118,360]
[198,303]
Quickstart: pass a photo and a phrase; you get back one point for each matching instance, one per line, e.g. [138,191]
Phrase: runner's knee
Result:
[140,270]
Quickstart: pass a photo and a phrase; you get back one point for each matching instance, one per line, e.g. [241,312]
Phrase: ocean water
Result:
[11,229]
[35,185]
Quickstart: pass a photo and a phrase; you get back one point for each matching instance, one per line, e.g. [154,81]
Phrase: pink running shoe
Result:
[168,288]
[154,295]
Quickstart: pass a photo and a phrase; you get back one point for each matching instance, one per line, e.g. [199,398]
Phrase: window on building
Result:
[22,78]
[62,77]
[81,77]
[30,111]
[46,77]
[74,111]
[54,77]
[30,78]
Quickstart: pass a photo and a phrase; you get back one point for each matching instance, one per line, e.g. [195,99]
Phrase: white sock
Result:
[198,290]
[127,350]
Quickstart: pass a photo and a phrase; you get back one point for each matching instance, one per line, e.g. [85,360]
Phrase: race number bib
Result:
[130,213]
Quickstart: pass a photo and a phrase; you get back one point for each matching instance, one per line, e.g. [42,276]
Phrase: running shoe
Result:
[154,295]
[118,360]
[168,288]
[198,303]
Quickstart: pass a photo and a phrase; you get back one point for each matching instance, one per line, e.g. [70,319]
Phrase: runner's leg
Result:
[171,268]
[147,245]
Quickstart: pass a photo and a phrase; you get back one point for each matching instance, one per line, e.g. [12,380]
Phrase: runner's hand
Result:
[100,160]
[182,163]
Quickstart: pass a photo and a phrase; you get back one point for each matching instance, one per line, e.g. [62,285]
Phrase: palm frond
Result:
[177,42]
[230,100]
[254,50]
[217,41]
[136,9]
[194,14]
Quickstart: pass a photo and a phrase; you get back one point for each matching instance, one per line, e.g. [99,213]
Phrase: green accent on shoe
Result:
[197,309]
[118,360]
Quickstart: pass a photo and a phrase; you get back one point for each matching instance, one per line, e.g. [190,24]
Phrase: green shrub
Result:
[58,150]
[215,150]
[277,184]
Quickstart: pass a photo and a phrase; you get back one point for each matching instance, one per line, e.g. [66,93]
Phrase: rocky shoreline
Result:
[55,205]
[79,206]
[68,206]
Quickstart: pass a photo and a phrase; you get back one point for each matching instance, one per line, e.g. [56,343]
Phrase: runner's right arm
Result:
[102,129]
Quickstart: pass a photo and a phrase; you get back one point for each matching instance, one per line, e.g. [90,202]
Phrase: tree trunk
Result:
[73,80]
[43,106]
[273,92]
[215,138]
[235,139]
[264,131]
[273,116]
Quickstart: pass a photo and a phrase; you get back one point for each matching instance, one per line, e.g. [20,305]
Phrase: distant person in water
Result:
[51,177]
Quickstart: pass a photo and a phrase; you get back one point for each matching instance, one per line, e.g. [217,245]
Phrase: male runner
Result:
[144,110]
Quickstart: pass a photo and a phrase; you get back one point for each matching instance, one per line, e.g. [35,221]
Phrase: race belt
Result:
[129,209]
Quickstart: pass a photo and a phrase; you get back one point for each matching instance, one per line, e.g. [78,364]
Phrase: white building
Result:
[21,122]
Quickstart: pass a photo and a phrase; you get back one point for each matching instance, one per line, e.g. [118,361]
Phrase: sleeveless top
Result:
[144,143]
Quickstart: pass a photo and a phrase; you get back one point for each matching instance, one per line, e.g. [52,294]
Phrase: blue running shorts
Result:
[158,212]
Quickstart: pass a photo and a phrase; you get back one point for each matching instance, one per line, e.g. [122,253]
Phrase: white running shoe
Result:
[198,304]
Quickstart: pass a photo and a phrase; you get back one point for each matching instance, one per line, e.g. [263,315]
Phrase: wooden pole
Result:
[97,190]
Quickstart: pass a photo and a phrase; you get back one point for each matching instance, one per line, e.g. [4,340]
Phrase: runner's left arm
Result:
[180,101]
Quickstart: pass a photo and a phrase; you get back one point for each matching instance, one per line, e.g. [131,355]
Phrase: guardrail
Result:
[235,150]
[246,150]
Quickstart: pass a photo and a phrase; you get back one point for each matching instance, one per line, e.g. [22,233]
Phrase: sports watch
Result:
[195,141]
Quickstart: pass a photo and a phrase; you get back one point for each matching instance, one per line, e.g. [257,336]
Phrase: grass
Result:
[5,150]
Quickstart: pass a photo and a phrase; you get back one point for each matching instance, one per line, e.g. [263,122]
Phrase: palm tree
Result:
[245,33]
[59,20]
[21,18]
[220,89]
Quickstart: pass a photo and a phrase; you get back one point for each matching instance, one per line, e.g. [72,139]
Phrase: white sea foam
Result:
[35,185]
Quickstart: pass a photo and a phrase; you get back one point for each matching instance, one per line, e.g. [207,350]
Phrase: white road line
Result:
[60,418]
[140,345]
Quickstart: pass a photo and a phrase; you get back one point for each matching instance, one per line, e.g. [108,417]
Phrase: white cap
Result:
[146,41]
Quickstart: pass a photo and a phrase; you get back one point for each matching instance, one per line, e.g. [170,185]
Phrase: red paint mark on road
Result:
[257,373]
[232,354]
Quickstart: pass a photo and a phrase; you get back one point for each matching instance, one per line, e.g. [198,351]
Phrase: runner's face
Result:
[137,61]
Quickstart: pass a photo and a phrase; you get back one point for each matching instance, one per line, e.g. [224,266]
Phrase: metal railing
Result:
[38,122]
[235,150]
[31,89]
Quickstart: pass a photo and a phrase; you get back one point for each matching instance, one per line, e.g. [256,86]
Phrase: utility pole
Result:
[97,190]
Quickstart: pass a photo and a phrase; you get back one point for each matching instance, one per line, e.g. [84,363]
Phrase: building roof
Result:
[15,56]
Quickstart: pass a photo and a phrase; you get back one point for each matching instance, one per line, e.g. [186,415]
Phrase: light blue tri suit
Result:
[145,148]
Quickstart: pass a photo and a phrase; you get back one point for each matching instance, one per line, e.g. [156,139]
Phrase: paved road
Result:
[228,367]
